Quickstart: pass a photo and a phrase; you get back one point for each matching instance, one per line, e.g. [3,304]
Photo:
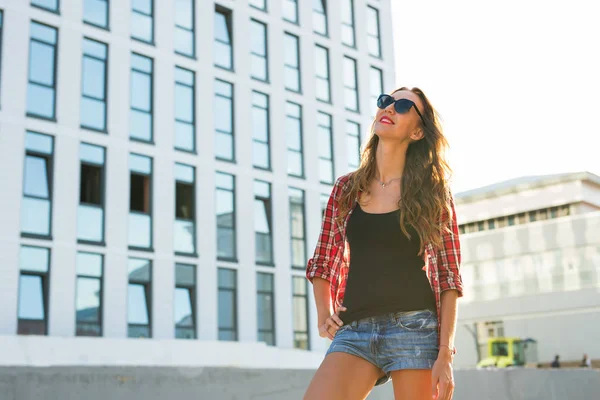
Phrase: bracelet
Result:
[452,349]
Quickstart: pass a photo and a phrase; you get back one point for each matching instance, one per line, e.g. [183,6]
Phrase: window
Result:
[185,110]
[320,17]
[140,116]
[293,132]
[90,215]
[140,201]
[322,74]
[350,84]
[376,85]
[36,208]
[227,304]
[50,5]
[139,298]
[185,23]
[185,301]
[93,85]
[263,222]
[142,20]
[291,47]
[223,46]
[261,153]
[324,199]
[41,89]
[88,313]
[373,34]
[260,4]
[289,9]
[95,12]
[300,312]
[348,33]
[353,142]
[223,116]
[226,243]
[297,229]
[184,240]
[259,64]
[325,147]
[33,290]
[265,308]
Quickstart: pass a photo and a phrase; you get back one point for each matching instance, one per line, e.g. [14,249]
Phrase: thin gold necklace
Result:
[384,184]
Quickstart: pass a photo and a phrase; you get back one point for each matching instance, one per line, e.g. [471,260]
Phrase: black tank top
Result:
[385,274]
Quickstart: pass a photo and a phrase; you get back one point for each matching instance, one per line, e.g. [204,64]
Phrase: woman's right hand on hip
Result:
[332,324]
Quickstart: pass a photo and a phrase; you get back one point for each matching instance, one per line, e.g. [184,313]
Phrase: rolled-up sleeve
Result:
[319,265]
[450,257]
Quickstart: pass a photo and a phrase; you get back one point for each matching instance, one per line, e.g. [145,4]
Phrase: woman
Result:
[394,218]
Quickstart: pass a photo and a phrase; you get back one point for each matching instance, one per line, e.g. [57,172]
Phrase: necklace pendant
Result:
[383,185]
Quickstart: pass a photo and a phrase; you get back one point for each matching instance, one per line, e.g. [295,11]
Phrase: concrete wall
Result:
[127,383]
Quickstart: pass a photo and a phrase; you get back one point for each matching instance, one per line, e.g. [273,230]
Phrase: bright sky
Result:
[517,82]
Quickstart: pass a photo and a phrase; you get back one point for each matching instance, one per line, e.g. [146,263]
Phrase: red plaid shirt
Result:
[331,259]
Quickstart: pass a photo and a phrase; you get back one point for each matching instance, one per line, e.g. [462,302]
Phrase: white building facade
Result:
[164,163]
[531,265]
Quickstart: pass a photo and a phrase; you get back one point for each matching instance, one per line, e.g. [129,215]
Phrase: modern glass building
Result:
[163,165]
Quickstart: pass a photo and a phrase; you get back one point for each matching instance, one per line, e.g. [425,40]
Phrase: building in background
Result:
[531,265]
[163,165]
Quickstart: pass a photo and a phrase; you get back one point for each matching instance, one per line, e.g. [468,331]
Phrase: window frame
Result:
[153,24]
[307,315]
[301,152]
[45,279]
[378,37]
[266,47]
[273,313]
[131,108]
[147,292]
[267,111]
[297,68]
[269,213]
[40,7]
[319,78]
[229,24]
[292,237]
[193,32]
[354,89]
[233,127]
[194,207]
[296,13]
[193,107]
[150,214]
[102,189]
[352,26]
[106,86]
[193,293]
[325,13]
[50,171]
[101,295]
[54,76]
[331,137]
[234,257]
[357,136]
[233,290]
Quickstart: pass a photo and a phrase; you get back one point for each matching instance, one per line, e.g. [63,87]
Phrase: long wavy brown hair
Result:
[425,193]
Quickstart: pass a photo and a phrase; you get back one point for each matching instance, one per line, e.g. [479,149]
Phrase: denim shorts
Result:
[391,342]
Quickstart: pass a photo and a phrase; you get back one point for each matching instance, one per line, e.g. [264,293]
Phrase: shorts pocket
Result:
[417,321]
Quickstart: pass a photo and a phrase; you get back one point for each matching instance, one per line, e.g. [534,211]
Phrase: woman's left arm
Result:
[451,287]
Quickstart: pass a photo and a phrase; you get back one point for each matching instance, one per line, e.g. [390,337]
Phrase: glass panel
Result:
[183,307]
[301,340]
[184,103]
[139,269]
[93,114]
[267,337]
[290,10]
[224,146]
[260,155]
[185,275]
[41,63]
[261,217]
[184,173]
[290,43]
[35,216]
[223,56]
[299,285]
[353,151]
[260,124]
[223,114]
[184,13]
[184,136]
[138,331]
[144,6]
[89,264]
[258,39]
[43,33]
[322,89]
[226,309]
[34,259]
[221,28]
[183,238]
[262,189]
[225,181]
[141,27]
[137,310]
[184,41]
[38,142]
[264,249]
[265,311]
[321,62]
[141,64]
[96,12]
[88,329]
[298,253]
[141,91]
[225,208]
[350,99]
[40,100]
[300,309]
[185,333]
[140,125]
[36,177]
[88,299]
[227,278]
[324,142]
[225,242]
[227,335]
[225,89]
[258,66]
[294,136]
[90,223]
[373,44]
[93,77]
[326,171]
[264,282]
[140,234]
[91,154]
[262,4]
[31,297]
[295,166]
[141,164]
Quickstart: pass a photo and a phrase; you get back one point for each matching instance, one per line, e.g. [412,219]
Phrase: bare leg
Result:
[412,384]
[343,376]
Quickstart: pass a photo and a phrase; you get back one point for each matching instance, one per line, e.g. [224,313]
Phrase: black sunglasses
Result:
[402,106]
